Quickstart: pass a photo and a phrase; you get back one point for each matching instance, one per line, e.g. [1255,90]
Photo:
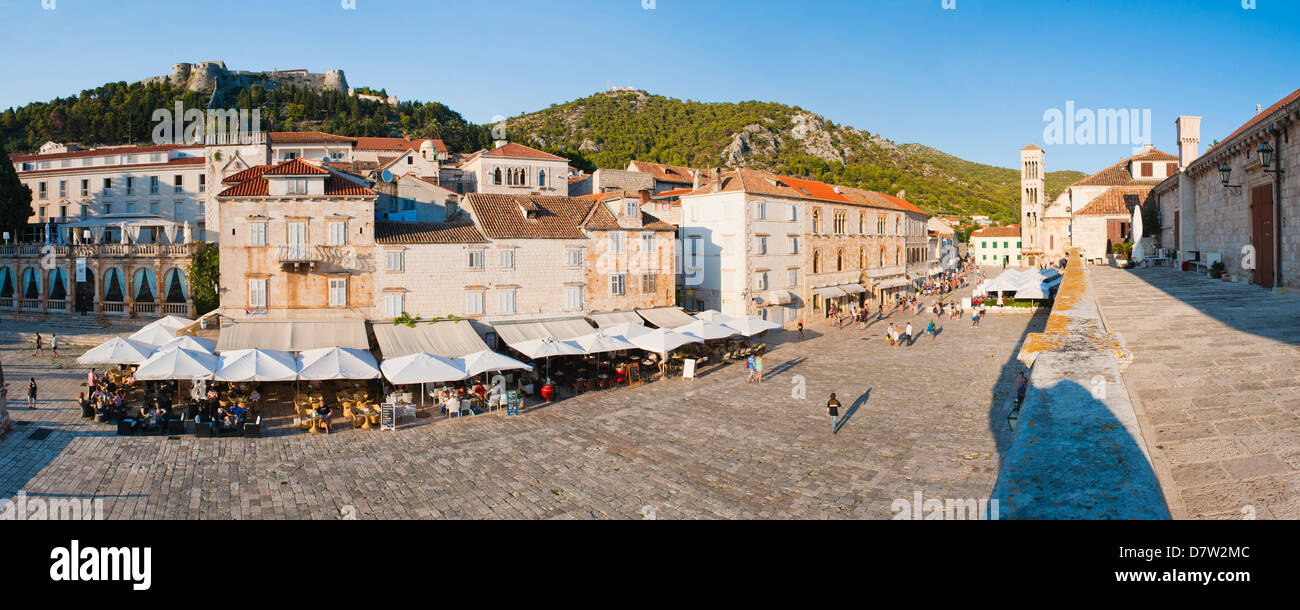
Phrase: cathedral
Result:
[1093,214]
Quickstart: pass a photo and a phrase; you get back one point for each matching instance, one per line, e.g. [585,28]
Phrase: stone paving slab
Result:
[713,447]
[1216,369]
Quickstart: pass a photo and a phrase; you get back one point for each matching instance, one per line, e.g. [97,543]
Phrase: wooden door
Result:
[1261,225]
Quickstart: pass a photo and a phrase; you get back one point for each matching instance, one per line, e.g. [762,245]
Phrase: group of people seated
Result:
[230,413]
[105,395]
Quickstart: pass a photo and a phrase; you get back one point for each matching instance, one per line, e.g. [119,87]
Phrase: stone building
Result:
[755,243]
[1227,204]
[297,242]
[997,246]
[515,169]
[1091,214]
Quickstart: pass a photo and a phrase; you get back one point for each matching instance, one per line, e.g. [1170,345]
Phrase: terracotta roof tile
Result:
[392,233]
[503,216]
[100,152]
[519,151]
[174,162]
[1120,175]
[1011,231]
[253,172]
[669,173]
[1117,201]
[253,181]
[296,167]
[1263,116]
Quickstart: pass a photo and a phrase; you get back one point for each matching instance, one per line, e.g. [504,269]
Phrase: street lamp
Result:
[1225,175]
[1265,155]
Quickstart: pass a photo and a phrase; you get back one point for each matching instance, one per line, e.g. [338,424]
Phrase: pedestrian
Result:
[889,334]
[54,344]
[758,365]
[31,393]
[90,380]
[39,340]
[907,335]
[749,364]
[1022,385]
[833,412]
[975,319]
[801,329]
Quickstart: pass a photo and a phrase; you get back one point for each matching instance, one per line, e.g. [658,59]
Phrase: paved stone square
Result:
[1216,372]
[928,418]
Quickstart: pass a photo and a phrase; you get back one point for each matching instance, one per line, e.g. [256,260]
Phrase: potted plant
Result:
[1122,251]
[1217,272]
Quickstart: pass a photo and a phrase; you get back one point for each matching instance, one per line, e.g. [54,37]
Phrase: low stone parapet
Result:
[1078,451]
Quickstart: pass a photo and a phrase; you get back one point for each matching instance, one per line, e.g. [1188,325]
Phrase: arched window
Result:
[58,287]
[839,260]
[496,176]
[114,292]
[144,286]
[541,178]
[898,256]
[862,223]
[31,284]
[817,220]
[862,258]
[6,283]
[882,256]
[817,261]
[174,287]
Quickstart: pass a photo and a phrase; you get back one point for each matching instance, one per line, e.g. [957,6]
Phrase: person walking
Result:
[801,330]
[889,334]
[31,393]
[749,364]
[54,344]
[930,330]
[907,335]
[758,366]
[833,412]
[39,341]
[1022,385]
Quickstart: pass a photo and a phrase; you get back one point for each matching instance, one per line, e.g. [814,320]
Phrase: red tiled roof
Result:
[672,193]
[1117,201]
[308,137]
[668,173]
[392,233]
[296,167]
[1031,147]
[397,144]
[1119,174]
[519,151]
[1263,116]
[253,172]
[1011,231]
[503,216]
[766,183]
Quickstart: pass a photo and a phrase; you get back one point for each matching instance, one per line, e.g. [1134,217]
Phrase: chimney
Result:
[1189,140]
[902,194]
[1258,109]
[695,180]
[644,195]
[717,180]
[500,143]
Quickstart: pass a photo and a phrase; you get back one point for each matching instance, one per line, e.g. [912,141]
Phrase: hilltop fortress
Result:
[213,75]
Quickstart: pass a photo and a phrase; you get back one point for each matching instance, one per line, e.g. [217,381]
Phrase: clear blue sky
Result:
[974,81]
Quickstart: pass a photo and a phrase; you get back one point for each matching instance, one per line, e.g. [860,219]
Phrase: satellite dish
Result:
[324,160]
[386,176]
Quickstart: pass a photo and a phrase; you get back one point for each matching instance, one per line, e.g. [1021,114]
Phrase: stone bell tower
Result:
[1033,200]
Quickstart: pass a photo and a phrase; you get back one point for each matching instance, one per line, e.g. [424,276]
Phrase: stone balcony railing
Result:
[98,250]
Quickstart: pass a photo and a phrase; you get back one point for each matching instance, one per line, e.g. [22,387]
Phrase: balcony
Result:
[337,257]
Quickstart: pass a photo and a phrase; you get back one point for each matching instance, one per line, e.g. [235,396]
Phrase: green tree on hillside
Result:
[15,197]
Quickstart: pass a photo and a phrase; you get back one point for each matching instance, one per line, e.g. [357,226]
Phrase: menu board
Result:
[388,416]
[688,368]
[512,402]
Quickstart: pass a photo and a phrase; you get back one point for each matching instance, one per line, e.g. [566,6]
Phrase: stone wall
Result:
[1078,451]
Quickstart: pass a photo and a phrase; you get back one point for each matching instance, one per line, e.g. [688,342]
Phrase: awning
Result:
[561,329]
[615,318]
[852,288]
[446,339]
[775,297]
[293,336]
[894,283]
[666,317]
[830,292]
[884,272]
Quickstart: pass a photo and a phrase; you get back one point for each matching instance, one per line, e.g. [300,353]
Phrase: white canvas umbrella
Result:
[603,341]
[489,361]
[118,351]
[246,365]
[714,316]
[751,325]
[1138,253]
[1036,290]
[336,363]
[422,368]
[662,340]
[706,330]
[178,363]
[154,335]
[172,323]
[547,347]
[197,344]
[626,330]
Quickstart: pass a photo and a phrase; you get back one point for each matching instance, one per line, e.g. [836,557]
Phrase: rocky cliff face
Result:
[215,77]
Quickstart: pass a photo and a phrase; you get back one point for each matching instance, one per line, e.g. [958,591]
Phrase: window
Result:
[762,210]
[541,178]
[496,176]
[257,293]
[108,187]
[178,181]
[794,244]
[394,304]
[130,186]
[841,222]
[474,303]
[617,284]
[648,283]
[647,243]
[203,183]
[153,185]
[762,244]
[153,208]
[63,189]
[508,259]
[880,225]
[1006,244]
[760,280]
[1148,169]
[257,234]
[794,213]
[616,239]
[1017,244]
[817,220]
[572,258]
[410,160]
[108,208]
[338,233]
[573,298]
[178,209]
[85,188]
[338,292]
[476,260]
[839,260]
[394,260]
[630,209]
[297,186]
[130,207]
[506,301]
[41,190]
[792,279]
[817,261]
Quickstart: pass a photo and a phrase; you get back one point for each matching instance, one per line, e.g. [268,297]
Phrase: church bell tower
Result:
[1033,199]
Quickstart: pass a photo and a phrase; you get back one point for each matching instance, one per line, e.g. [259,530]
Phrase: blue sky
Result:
[973,81]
